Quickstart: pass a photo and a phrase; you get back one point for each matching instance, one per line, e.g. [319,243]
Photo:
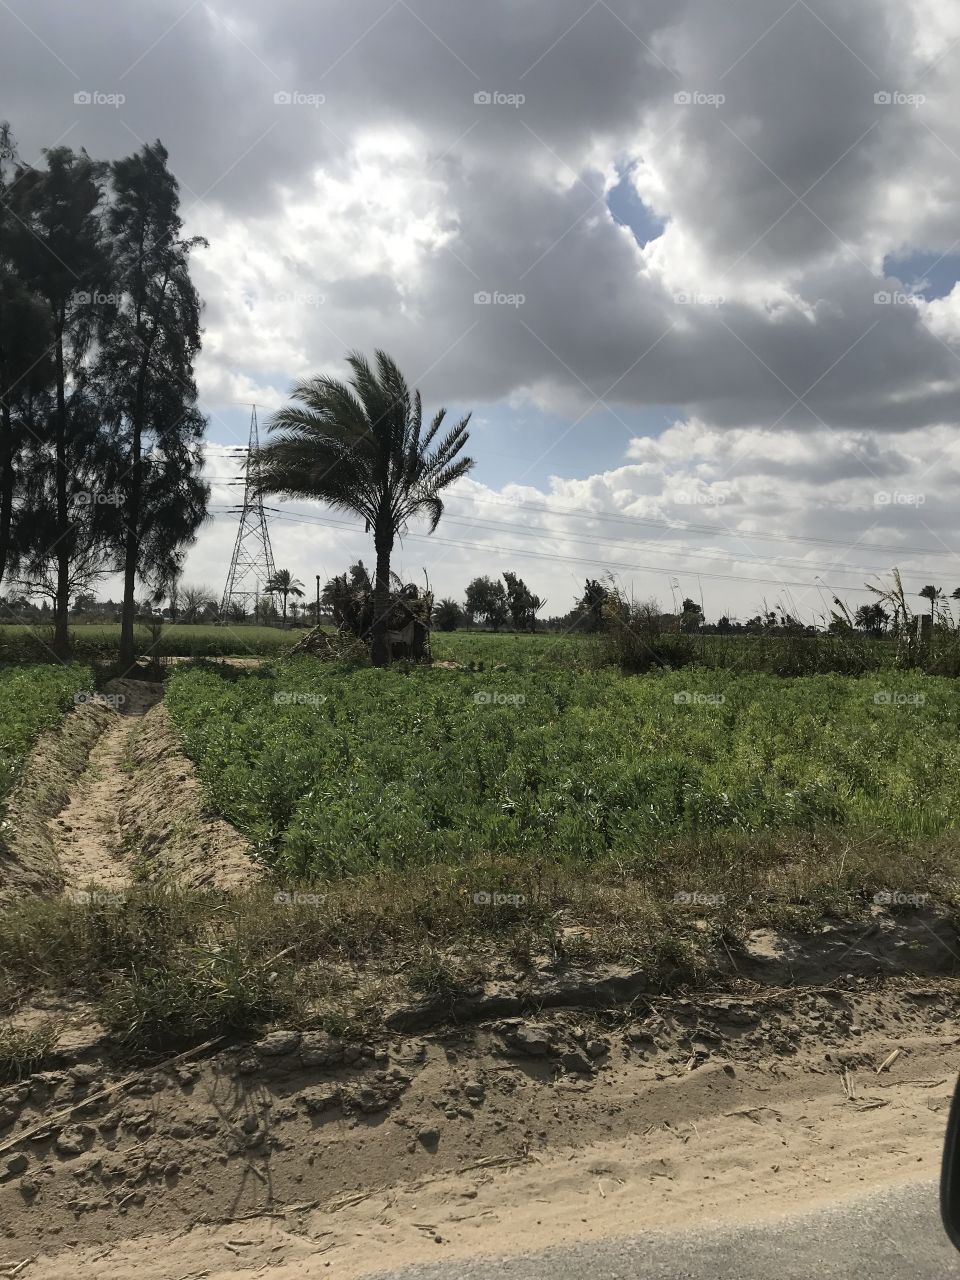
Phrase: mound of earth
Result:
[170,830]
[28,850]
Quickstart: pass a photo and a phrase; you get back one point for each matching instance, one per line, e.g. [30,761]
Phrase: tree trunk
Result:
[132,513]
[6,484]
[61,637]
[383,543]
[131,555]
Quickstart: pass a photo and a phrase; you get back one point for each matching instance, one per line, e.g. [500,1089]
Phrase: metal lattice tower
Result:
[252,564]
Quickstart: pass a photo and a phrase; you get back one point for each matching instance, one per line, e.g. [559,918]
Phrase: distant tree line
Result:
[493,603]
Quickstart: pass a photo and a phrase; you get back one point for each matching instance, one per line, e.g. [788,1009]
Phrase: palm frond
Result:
[361,447]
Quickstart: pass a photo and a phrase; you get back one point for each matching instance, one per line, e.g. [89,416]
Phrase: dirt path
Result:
[87,836]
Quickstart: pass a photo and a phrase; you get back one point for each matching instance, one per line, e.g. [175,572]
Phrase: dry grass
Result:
[23,1050]
[169,966]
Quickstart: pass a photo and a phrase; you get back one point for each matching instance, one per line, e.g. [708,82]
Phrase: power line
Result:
[540,531]
[694,553]
[681,526]
[567,559]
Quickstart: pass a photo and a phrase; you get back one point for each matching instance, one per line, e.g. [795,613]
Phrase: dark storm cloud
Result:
[783,197]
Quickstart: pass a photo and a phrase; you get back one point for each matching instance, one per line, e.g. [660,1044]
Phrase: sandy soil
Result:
[137,811]
[87,836]
[180,841]
[482,1141]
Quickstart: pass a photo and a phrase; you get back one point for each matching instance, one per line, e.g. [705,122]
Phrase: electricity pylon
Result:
[251,567]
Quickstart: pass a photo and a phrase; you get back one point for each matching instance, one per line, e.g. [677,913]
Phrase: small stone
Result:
[16,1164]
[473,1091]
[531,1040]
[28,1188]
[73,1140]
[277,1044]
[429,1137]
[85,1073]
[641,1039]
[371,1100]
[574,1060]
[318,1049]
[317,1100]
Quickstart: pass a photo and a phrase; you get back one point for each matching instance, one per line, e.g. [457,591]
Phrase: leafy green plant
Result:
[33,699]
[333,772]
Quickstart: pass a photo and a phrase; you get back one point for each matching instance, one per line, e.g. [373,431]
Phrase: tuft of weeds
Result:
[23,1050]
[438,973]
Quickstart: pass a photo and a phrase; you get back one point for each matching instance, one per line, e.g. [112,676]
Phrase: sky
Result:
[693,268]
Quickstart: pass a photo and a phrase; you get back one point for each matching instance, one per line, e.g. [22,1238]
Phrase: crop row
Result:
[33,699]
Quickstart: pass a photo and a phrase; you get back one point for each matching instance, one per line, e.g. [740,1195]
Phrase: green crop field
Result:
[854,654]
[334,771]
[33,699]
[100,641]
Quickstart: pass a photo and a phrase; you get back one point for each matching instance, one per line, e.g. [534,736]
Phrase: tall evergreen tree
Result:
[26,364]
[146,371]
[49,563]
[56,244]
[522,603]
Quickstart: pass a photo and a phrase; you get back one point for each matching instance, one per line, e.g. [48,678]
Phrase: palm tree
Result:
[933,594]
[872,617]
[362,448]
[283,583]
[448,615]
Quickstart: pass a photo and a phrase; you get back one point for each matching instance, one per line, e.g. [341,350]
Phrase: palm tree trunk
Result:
[383,543]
